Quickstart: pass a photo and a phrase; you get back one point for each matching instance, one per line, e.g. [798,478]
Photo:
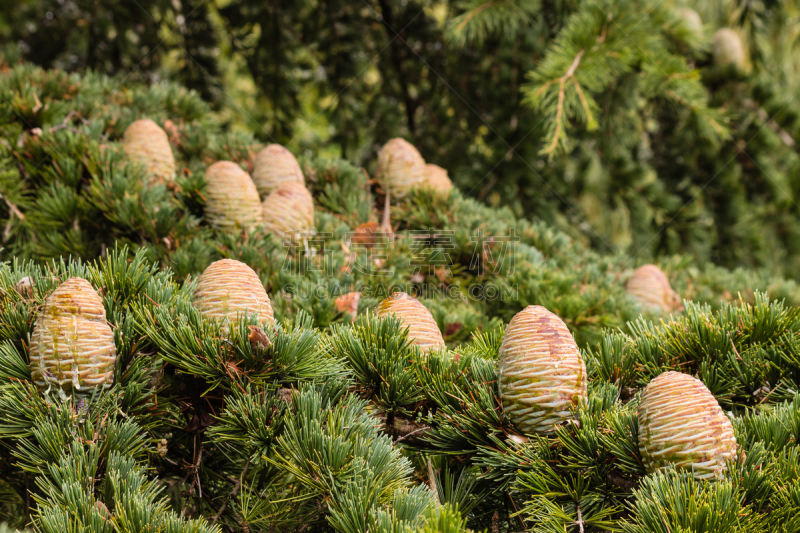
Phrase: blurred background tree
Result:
[611,119]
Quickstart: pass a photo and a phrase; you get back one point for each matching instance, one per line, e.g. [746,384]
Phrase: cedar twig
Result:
[195,468]
[317,512]
[432,480]
[13,208]
[233,492]
[561,93]
[404,437]
[580,519]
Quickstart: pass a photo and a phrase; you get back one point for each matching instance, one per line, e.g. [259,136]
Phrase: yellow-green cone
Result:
[72,346]
[541,373]
[650,287]
[232,202]
[682,425]
[229,288]
[289,210]
[274,166]
[692,20]
[422,328]
[437,179]
[400,168]
[728,49]
[144,142]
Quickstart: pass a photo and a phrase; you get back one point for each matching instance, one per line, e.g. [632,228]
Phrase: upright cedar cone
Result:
[422,328]
[146,143]
[437,179]
[692,20]
[72,345]
[228,288]
[400,168]
[541,372]
[289,209]
[728,49]
[650,287]
[232,201]
[275,165]
[682,425]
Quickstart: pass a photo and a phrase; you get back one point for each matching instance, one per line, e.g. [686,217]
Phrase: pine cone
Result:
[437,179]
[275,165]
[682,425]
[72,345]
[692,20]
[232,201]
[651,288]
[728,49]
[289,209]
[422,328]
[400,168]
[146,143]
[228,288]
[541,372]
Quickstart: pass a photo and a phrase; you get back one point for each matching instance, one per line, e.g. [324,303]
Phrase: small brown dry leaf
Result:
[348,303]
[258,339]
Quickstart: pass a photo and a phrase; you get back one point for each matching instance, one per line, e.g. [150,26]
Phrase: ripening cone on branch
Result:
[728,49]
[650,287]
[72,346]
[232,201]
[682,425]
[692,20]
[437,179]
[146,143]
[541,373]
[229,288]
[422,328]
[400,168]
[274,166]
[289,209]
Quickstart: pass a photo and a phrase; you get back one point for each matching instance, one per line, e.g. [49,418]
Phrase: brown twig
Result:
[432,481]
[195,468]
[234,492]
[407,435]
[386,225]
[317,512]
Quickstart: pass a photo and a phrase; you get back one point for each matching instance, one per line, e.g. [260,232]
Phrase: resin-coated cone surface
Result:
[541,373]
[650,287]
[72,345]
[422,328]
[146,143]
[682,425]
[232,201]
[289,210]
[274,166]
[437,179]
[400,168]
[227,289]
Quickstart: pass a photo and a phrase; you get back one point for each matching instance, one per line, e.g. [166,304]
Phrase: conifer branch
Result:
[233,492]
[569,74]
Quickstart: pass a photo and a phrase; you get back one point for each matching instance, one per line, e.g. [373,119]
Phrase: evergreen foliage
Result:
[340,428]
[333,424]
[609,119]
